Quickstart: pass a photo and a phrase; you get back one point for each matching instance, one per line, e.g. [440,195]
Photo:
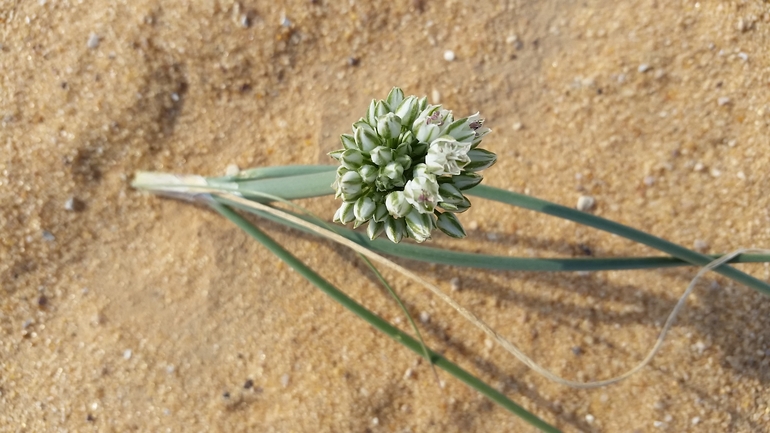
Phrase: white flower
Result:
[422,193]
[447,156]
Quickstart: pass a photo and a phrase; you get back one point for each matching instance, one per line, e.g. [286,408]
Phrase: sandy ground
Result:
[125,312]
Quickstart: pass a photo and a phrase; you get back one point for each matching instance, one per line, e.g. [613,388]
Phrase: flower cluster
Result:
[405,166]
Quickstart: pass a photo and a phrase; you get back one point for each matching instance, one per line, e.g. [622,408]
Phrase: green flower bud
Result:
[364,208]
[408,110]
[397,205]
[466,181]
[427,133]
[389,126]
[352,159]
[337,154]
[394,98]
[450,225]
[480,160]
[366,138]
[382,155]
[380,213]
[368,173]
[348,142]
[395,229]
[419,225]
[452,199]
[404,161]
[421,170]
[461,131]
[350,186]
[375,229]
[394,172]
[344,214]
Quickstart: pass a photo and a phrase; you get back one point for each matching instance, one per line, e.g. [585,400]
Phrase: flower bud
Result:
[452,199]
[419,225]
[395,229]
[350,186]
[404,161]
[461,131]
[466,181]
[480,159]
[375,229]
[450,225]
[380,213]
[382,155]
[352,159]
[427,133]
[348,141]
[389,126]
[366,138]
[421,170]
[392,171]
[364,208]
[344,214]
[368,173]
[408,110]
[394,99]
[422,193]
[336,154]
[397,205]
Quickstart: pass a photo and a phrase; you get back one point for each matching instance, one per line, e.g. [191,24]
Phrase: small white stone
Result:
[698,167]
[435,96]
[175,97]
[517,126]
[743,56]
[668,418]
[424,317]
[644,67]
[408,373]
[93,41]
[127,354]
[695,420]
[659,424]
[512,39]
[232,170]
[170,369]
[724,100]
[700,245]
[375,421]
[585,203]
[284,380]
[590,418]
[649,180]
[449,55]
[69,204]
[699,347]
[715,172]
[454,283]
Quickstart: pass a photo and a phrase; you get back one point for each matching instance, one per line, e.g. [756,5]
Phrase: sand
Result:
[121,311]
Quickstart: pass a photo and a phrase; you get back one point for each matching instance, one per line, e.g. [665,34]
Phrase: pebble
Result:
[649,180]
[127,354]
[284,380]
[585,203]
[695,420]
[435,95]
[93,41]
[408,373]
[424,317]
[724,100]
[698,167]
[743,56]
[449,55]
[644,67]
[48,236]
[517,126]
[512,39]
[590,418]
[454,283]
[232,170]
[700,245]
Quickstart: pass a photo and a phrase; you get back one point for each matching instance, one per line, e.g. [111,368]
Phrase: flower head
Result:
[404,167]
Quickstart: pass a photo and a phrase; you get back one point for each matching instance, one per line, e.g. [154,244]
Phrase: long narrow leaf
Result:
[379,323]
